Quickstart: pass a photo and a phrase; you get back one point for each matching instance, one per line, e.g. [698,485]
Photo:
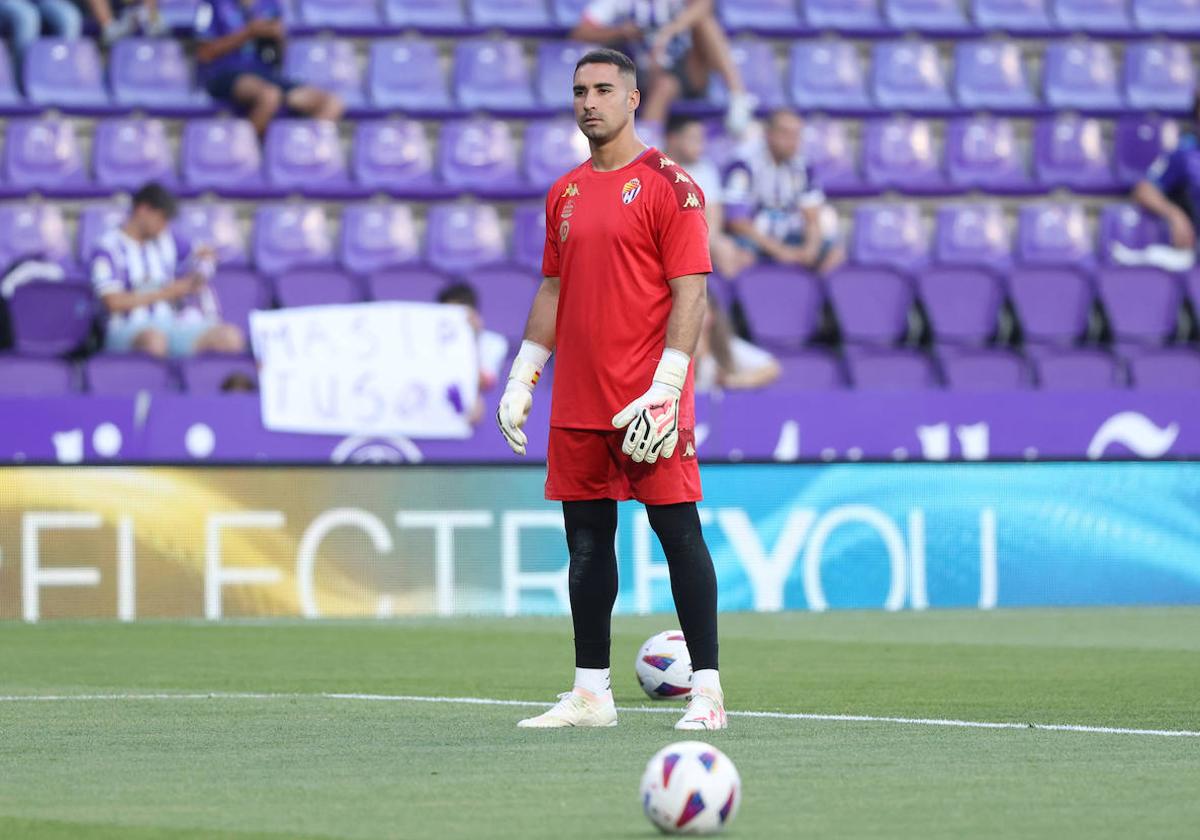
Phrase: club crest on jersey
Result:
[563,230]
[571,190]
[631,190]
[691,200]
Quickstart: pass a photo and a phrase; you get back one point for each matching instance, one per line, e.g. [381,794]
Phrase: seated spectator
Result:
[240,50]
[493,347]
[1171,189]
[135,16]
[677,45]
[774,206]
[25,20]
[685,145]
[155,286]
[239,383]
[723,361]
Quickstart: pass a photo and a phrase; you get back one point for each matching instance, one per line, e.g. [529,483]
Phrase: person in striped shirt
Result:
[154,285]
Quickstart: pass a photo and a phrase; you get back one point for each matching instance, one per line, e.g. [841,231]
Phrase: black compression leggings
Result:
[591,535]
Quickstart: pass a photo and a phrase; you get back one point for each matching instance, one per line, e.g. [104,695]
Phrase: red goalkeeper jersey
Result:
[614,240]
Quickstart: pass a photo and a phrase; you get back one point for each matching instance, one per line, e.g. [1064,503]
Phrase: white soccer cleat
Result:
[706,710]
[740,113]
[578,707]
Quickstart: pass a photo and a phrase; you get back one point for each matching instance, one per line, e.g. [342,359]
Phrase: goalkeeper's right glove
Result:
[518,393]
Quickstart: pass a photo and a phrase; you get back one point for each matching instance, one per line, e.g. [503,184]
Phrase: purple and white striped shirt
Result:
[122,264]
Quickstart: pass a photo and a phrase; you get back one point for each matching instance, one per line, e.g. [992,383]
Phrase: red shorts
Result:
[585,464]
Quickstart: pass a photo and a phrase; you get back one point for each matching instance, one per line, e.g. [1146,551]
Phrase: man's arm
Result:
[694,12]
[536,347]
[119,302]
[769,245]
[1150,197]
[209,51]
[689,298]
[543,314]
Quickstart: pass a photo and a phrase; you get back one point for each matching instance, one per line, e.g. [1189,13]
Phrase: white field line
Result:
[672,710]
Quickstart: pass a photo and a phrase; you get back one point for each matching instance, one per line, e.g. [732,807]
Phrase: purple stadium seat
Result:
[1166,370]
[407,75]
[871,305]
[291,236]
[215,225]
[829,148]
[928,16]
[984,153]
[1081,75]
[1159,75]
[239,293]
[178,14]
[492,75]
[25,377]
[327,63]
[45,155]
[1130,226]
[1069,152]
[895,370]
[782,305]
[1139,140]
[551,149]
[529,236]
[828,75]
[850,16]
[1015,16]
[10,93]
[205,374]
[962,304]
[1174,16]
[406,284]
[222,155]
[316,287]
[505,295]
[555,72]
[480,156]
[991,75]
[909,75]
[378,236]
[810,370]
[65,74]
[567,13]
[121,374]
[761,74]
[985,370]
[899,153]
[1191,280]
[1054,235]
[1078,370]
[95,220]
[973,236]
[342,15]
[33,230]
[51,318]
[1051,304]
[394,156]
[1142,303]
[777,18]
[126,153]
[511,15]
[307,156]
[1099,17]
[890,235]
[463,237]
[154,73]
[435,16]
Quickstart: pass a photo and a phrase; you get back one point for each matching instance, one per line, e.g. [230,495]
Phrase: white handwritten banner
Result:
[367,369]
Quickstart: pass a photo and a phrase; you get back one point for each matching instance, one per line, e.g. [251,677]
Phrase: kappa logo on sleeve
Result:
[692,200]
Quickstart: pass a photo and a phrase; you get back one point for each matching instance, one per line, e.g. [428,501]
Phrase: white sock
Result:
[707,679]
[594,680]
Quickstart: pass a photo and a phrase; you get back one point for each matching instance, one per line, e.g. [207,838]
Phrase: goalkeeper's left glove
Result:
[653,418]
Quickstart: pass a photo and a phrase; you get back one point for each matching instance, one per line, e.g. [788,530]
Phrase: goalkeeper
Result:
[622,302]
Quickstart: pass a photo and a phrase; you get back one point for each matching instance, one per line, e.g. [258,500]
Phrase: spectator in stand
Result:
[775,207]
[1171,189]
[685,145]
[676,45]
[155,286]
[493,347]
[133,16]
[240,49]
[723,361]
[24,20]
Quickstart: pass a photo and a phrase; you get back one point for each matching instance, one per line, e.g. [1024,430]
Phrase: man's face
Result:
[686,145]
[150,222]
[604,101]
[783,136]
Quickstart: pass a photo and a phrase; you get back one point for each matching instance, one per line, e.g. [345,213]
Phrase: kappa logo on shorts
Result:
[687,444]
[631,190]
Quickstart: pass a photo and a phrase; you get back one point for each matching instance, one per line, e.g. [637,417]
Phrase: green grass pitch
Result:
[306,766]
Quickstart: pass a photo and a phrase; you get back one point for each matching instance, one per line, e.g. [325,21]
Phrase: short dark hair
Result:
[777,114]
[157,197]
[678,122]
[463,293]
[616,58]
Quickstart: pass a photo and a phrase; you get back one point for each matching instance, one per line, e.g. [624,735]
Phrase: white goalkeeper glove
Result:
[518,393]
[653,418]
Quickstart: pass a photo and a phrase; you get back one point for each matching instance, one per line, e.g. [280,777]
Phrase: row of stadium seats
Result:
[867,18]
[496,75]
[118,375]
[494,159]
[457,237]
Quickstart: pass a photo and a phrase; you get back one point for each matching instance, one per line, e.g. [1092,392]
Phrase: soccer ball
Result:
[691,788]
[664,666]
